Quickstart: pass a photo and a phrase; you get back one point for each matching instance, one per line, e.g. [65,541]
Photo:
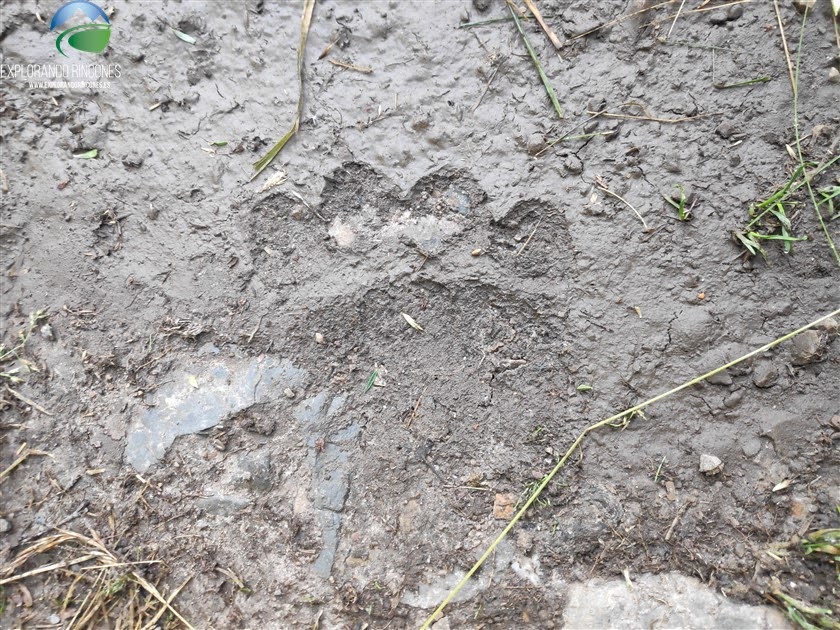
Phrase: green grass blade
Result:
[552,95]
[798,144]
[305,23]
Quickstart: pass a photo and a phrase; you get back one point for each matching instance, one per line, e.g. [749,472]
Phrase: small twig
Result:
[676,17]
[303,201]
[489,83]
[329,47]
[24,453]
[565,136]
[256,328]
[652,118]
[726,86]
[676,520]
[525,244]
[702,9]
[622,18]
[784,45]
[416,408]
[350,66]
[538,16]
[600,185]
[27,401]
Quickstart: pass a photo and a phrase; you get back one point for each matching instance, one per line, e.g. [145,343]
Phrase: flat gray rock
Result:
[201,396]
[668,600]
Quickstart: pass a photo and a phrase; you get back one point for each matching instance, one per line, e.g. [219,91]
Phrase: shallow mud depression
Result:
[211,386]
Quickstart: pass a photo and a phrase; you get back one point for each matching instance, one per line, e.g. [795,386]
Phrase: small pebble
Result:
[481,5]
[833,75]
[765,375]
[536,143]
[319,338]
[830,325]
[288,393]
[734,12]
[5,526]
[807,348]
[573,165]
[751,447]
[710,465]
[721,378]
[132,160]
[54,619]
[725,130]
[296,214]
[476,252]
[47,332]
[718,18]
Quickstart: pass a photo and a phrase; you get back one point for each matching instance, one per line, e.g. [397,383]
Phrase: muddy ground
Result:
[204,361]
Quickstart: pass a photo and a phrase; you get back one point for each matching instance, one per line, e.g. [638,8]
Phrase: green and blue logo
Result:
[92,38]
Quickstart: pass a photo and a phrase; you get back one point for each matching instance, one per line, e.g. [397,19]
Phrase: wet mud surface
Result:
[208,348]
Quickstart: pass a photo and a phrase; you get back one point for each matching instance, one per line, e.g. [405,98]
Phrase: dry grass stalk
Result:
[21,456]
[112,598]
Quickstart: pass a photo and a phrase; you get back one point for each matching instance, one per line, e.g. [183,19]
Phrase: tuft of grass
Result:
[770,219]
[12,354]
[680,205]
[807,616]
[528,490]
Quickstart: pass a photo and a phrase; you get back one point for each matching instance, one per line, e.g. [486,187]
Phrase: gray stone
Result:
[573,165]
[830,325]
[5,526]
[222,504]
[765,374]
[833,75]
[807,348]
[721,378]
[710,465]
[752,447]
[725,130]
[718,18]
[536,143]
[330,530]
[330,479]
[200,399]
[667,600]
[734,399]
[255,470]
[734,12]
[132,160]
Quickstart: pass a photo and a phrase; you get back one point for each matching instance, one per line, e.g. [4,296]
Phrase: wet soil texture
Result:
[224,379]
